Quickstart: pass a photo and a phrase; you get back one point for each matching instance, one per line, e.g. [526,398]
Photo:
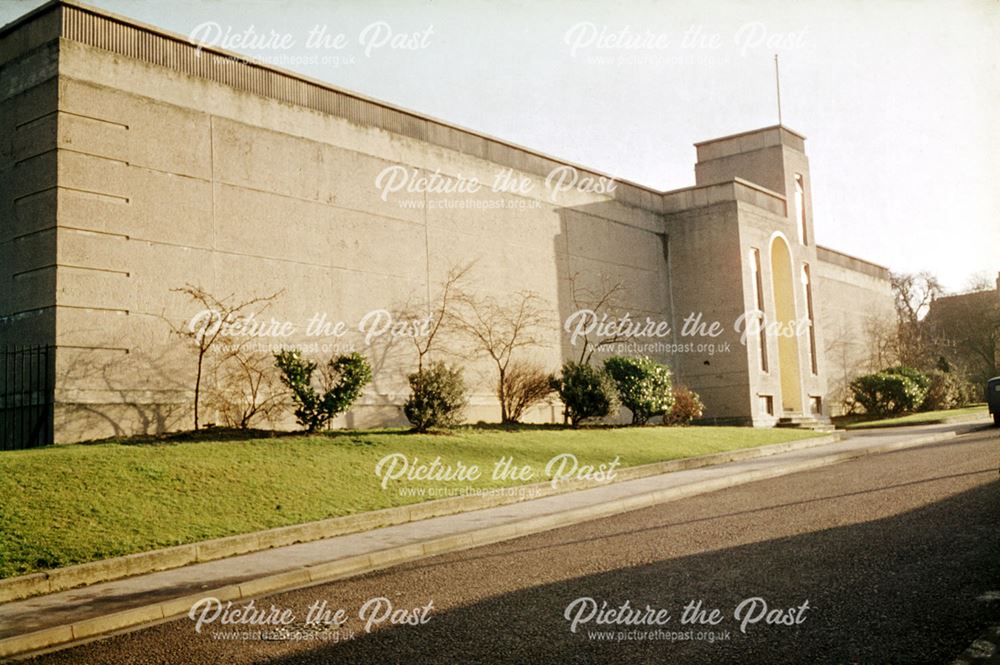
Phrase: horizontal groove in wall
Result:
[34,156]
[62,148]
[103,121]
[124,312]
[117,349]
[98,195]
[71,267]
[34,121]
[21,199]
[86,192]
[74,229]
[30,271]
[97,232]
[25,313]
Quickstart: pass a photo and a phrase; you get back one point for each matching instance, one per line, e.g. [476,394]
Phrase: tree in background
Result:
[527,384]
[686,408]
[914,293]
[499,330]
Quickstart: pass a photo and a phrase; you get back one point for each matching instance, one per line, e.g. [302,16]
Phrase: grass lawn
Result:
[64,505]
[925,418]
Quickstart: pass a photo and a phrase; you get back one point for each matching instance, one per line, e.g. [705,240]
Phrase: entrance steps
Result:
[821,424]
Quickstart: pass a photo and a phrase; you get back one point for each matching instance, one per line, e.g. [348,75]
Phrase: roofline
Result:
[29,16]
[737,180]
[965,294]
[747,133]
[855,258]
[253,62]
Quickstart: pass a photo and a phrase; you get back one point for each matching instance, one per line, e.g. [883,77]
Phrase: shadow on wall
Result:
[867,603]
[118,393]
[149,390]
[594,255]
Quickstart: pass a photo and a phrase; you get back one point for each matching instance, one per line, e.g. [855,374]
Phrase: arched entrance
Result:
[784,308]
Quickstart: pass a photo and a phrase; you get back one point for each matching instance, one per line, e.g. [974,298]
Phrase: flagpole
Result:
[777,85]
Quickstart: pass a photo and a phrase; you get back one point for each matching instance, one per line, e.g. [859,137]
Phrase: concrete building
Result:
[966,331]
[133,164]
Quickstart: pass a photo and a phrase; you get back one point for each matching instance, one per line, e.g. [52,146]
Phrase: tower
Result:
[778,261]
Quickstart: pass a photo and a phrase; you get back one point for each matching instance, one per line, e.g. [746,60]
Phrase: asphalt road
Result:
[897,555]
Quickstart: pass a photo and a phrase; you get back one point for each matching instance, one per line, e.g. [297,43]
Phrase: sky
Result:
[897,98]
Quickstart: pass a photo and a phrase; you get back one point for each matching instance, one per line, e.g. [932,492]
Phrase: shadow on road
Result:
[900,589]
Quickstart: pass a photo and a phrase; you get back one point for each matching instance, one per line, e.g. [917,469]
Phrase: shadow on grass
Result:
[222,434]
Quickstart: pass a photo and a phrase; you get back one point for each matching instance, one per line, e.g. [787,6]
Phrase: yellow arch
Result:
[782,284]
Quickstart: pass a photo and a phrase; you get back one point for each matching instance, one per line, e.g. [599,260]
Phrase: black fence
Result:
[26,396]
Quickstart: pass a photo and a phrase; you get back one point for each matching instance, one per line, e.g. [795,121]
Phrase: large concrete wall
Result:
[172,180]
[855,303]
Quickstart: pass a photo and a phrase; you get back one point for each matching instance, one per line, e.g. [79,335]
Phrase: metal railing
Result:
[26,396]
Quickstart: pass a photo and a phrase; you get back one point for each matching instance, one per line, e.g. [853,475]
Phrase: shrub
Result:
[345,377]
[946,390]
[922,380]
[524,385]
[246,389]
[643,386]
[586,392]
[687,407]
[890,392]
[437,397]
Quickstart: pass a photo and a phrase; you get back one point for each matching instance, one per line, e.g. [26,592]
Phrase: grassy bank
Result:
[924,418]
[71,504]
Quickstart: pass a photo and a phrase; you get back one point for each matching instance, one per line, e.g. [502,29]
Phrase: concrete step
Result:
[821,424]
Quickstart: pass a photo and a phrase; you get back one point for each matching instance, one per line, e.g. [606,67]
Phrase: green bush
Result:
[922,380]
[437,397]
[892,391]
[687,407]
[947,390]
[345,378]
[586,392]
[643,386]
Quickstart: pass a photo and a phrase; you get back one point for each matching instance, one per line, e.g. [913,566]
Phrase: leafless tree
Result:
[914,294]
[438,312]
[208,326]
[880,339]
[980,281]
[499,329]
[247,387]
[603,300]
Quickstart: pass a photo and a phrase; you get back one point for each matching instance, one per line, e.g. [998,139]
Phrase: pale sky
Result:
[897,98]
